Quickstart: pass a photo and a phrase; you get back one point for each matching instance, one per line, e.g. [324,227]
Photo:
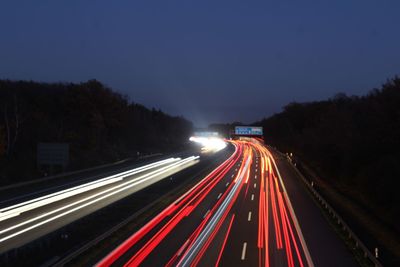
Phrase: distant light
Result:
[209,143]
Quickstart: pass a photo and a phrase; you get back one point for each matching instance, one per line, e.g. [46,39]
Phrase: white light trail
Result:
[96,197]
[19,208]
[199,242]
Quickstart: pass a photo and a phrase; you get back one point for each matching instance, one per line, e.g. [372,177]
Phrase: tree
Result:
[354,140]
[12,123]
[2,142]
[99,124]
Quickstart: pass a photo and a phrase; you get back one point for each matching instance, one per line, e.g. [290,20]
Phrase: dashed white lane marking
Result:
[244,251]
[255,185]
[256,170]
[252,196]
[220,194]
[249,216]
[227,184]
[236,169]
[233,175]
[255,177]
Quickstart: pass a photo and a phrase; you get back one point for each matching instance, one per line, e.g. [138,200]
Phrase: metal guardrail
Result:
[336,217]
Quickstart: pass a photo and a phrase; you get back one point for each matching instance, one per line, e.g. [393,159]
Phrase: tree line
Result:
[99,124]
[348,140]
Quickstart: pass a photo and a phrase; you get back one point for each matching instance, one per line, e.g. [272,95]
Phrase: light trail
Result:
[263,230]
[180,204]
[193,250]
[19,208]
[278,237]
[157,238]
[94,198]
[281,221]
[293,215]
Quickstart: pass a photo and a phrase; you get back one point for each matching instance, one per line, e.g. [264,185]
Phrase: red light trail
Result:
[221,218]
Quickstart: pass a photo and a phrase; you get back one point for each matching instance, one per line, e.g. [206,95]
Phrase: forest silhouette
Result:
[100,126]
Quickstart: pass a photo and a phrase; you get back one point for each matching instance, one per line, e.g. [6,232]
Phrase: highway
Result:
[22,222]
[251,210]
[240,214]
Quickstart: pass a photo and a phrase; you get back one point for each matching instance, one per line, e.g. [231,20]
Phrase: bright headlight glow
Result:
[209,143]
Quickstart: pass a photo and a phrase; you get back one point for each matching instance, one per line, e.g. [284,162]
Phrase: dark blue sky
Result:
[207,60]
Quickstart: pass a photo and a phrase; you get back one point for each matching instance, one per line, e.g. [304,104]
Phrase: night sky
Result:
[210,61]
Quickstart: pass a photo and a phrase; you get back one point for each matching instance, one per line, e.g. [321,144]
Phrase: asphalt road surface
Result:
[252,210]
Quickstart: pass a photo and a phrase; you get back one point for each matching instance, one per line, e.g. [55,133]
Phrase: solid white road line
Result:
[244,251]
